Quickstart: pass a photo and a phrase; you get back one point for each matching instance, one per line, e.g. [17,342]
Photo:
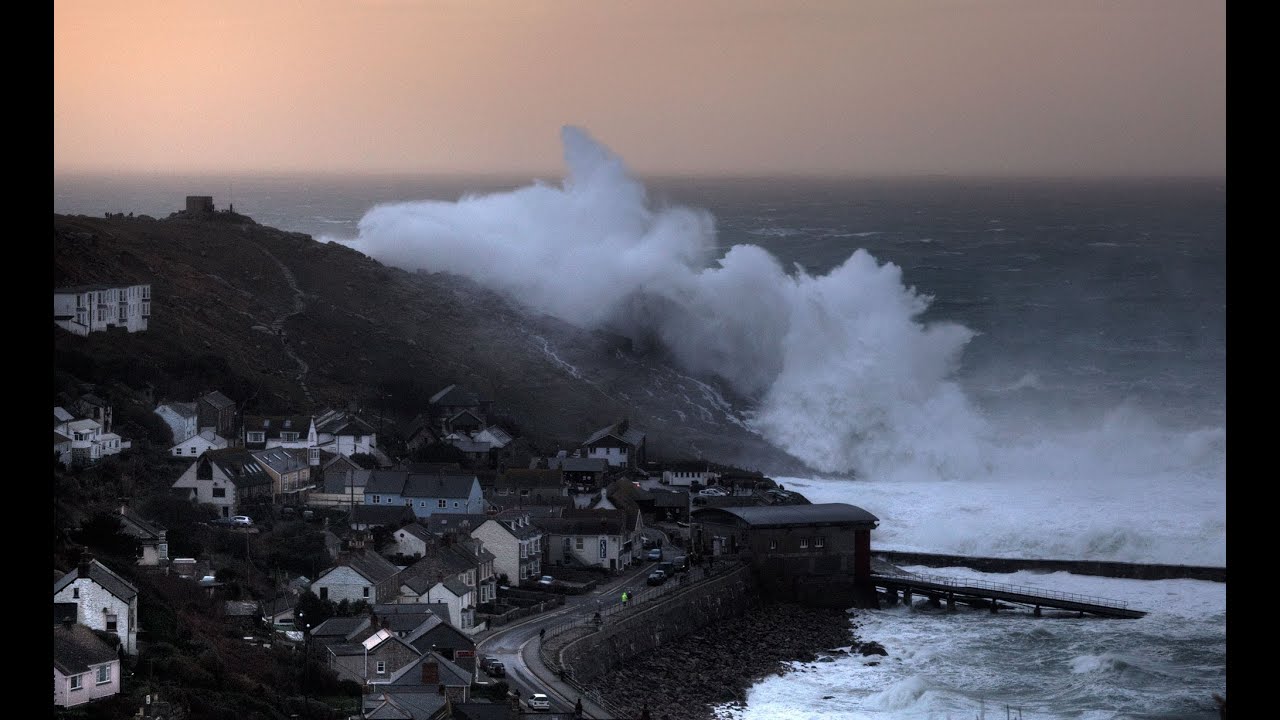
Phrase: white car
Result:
[538,701]
[242,521]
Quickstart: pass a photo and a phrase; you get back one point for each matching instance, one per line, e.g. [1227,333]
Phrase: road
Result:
[512,644]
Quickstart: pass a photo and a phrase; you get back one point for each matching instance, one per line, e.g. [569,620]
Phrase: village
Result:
[366,577]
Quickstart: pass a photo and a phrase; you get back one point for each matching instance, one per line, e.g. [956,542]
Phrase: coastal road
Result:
[517,645]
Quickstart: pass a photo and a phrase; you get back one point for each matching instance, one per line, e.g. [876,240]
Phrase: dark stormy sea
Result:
[996,367]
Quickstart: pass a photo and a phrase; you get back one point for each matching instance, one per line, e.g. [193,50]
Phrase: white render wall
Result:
[615,456]
[184,428]
[345,584]
[90,610]
[204,489]
[90,689]
[128,307]
[504,546]
[196,446]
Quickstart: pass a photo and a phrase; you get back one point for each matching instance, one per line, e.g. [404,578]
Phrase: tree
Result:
[103,532]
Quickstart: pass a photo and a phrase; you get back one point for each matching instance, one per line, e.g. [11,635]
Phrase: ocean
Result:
[996,367]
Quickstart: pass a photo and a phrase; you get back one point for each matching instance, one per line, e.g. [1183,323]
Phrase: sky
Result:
[712,87]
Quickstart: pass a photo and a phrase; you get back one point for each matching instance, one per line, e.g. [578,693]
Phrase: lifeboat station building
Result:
[812,554]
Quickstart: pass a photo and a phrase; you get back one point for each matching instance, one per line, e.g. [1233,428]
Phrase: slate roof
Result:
[186,410]
[621,430]
[369,564]
[450,674]
[342,481]
[440,523]
[419,532]
[507,519]
[337,422]
[537,504]
[133,524]
[60,415]
[403,706]
[76,648]
[239,465]
[608,525]
[103,576]
[340,627]
[425,573]
[571,464]
[522,478]
[670,498]
[280,459]
[217,400]
[438,486]
[792,515]
[456,586]
[395,515]
[272,426]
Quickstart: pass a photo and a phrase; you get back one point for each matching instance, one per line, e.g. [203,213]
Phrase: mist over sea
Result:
[1021,368]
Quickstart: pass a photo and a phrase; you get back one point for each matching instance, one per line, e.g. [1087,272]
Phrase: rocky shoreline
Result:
[686,678]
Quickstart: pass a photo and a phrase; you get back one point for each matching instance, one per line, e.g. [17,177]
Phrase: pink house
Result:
[84,666]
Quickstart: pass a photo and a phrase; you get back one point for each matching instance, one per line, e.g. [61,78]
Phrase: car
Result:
[222,522]
[713,492]
[493,667]
[657,577]
[655,554]
[241,521]
[539,701]
[681,562]
[546,581]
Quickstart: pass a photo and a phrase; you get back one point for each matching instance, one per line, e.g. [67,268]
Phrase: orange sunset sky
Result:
[833,87]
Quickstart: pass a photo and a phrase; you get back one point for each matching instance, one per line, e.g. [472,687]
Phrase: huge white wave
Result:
[843,372]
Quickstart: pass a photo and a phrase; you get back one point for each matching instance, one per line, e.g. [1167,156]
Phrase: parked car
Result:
[540,702]
[655,554]
[222,522]
[493,667]
[713,492]
[546,581]
[657,577]
[241,520]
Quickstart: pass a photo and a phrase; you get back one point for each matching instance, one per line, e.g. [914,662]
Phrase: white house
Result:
[104,601]
[225,478]
[345,434]
[413,539]
[84,309]
[84,666]
[620,444]
[360,574]
[88,443]
[449,574]
[181,418]
[591,537]
[198,444]
[516,545]
[684,474]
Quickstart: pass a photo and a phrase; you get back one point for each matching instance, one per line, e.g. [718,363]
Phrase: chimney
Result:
[86,561]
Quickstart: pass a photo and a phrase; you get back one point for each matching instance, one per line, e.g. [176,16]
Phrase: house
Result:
[153,542]
[582,473]
[529,483]
[85,667]
[406,706]
[431,672]
[358,574]
[598,538]
[217,412]
[367,517]
[683,474]
[345,433]
[670,506]
[339,630]
[289,471]
[225,479]
[621,444]
[475,452]
[515,543]
[198,444]
[291,431]
[88,441]
[340,483]
[84,309]
[104,600]
[181,418]
[427,628]
[448,405]
[412,540]
[456,573]
[376,660]
[819,554]
[427,494]
[278,611]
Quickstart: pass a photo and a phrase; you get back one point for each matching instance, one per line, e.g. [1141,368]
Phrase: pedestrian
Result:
[542,634]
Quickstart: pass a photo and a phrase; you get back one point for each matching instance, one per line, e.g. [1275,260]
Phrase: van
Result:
[667,568]
[681,563]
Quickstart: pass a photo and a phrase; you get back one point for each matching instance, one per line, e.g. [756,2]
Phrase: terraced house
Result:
[516,544]
[427,493]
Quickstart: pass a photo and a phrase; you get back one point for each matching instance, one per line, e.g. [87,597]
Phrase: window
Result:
[324,593]
[75,682]
[579,543]
[804,543]
[75,593]
[422,503]
[442,503]
[111,623]
[382,667]
[366,591]
[219,492]
[256,437]
[377,499]
[104,674]
[408,502]
[455,503]
[819,542]
[773,544]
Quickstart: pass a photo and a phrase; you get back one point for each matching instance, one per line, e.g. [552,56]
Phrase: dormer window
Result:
[256,437]
[289,436]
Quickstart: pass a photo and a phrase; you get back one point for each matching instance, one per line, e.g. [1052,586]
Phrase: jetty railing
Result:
[959,584]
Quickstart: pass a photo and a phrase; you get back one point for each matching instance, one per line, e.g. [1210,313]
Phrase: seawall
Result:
[626,635]
[1134,571]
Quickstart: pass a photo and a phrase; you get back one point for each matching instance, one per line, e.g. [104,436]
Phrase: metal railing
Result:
[1025,590]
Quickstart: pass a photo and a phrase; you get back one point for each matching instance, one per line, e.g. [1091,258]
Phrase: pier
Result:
[895,582]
